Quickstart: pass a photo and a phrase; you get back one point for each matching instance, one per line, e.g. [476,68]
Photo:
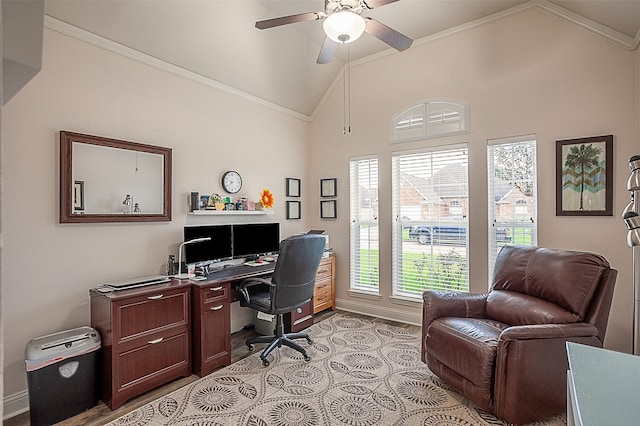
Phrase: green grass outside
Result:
[421,271]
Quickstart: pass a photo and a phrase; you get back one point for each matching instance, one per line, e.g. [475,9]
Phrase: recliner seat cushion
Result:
[467,346]
[566,278]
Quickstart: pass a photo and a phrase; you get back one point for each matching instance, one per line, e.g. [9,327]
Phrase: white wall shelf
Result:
[230,212]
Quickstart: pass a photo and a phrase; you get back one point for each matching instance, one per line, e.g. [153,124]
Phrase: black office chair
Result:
[290,287]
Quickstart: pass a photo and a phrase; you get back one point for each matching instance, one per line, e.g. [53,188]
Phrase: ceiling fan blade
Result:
[390,36]
[377,3]
[328,50]
[291,19]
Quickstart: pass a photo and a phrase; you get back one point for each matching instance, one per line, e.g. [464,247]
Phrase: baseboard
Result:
[404,316]
[16,404]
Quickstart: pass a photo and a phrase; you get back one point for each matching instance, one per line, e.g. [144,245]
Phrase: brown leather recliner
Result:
[505,350]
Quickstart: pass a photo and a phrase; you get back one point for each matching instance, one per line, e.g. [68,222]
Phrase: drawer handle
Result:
[155,297]
[216,288]
[217,308]
[153,342]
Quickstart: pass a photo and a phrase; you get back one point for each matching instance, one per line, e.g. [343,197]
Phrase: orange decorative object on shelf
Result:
[266,198]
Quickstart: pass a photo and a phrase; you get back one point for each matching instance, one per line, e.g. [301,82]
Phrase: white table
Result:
[603,387]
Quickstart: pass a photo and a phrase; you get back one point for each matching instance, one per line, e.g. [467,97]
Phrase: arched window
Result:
[430,119]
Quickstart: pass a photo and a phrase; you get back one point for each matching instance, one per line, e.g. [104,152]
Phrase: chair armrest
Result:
[249,282]
[451,304]
[548,331]
[532,359]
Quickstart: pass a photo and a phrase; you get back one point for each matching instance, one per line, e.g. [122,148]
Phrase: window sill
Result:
[364,295]
[405,300]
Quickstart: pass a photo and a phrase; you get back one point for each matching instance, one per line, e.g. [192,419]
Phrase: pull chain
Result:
[346,128]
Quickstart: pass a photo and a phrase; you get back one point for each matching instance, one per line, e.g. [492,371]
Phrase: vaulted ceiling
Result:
[216,41]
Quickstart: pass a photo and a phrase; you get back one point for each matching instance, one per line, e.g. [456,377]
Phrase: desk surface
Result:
[237,272]
[606,385]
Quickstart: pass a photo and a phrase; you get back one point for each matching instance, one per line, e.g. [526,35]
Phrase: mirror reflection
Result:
[116,175]
[107,180]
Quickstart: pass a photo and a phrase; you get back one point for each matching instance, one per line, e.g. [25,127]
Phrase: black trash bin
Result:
[62,373]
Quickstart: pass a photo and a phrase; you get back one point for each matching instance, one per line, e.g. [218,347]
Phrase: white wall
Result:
[49,267]
[530,73]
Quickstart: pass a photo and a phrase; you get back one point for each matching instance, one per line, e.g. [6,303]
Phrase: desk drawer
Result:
[153,358]
[299,319]
[215,293]
[324,270]
[144,315]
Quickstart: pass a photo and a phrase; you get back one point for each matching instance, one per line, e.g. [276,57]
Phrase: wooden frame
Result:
[67,212]
[328,209]
[78,195]
[584,176]
[294,210]
[293,187]
[328,187]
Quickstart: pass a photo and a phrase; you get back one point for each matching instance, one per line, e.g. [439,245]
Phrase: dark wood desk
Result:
[211,310]
[211,314]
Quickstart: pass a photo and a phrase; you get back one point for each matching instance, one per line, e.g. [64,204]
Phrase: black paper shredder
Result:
[62,374]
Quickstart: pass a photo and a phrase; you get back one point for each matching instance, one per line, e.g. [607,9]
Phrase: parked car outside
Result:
[445,233]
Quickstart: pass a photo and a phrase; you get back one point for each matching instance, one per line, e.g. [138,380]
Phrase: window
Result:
[364,272]
[512,194]
[430,204]
[443,117]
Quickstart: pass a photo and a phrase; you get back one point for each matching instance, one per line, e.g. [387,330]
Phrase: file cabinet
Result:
[146,338]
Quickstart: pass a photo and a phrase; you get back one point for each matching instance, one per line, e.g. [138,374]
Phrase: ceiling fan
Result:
[343,23]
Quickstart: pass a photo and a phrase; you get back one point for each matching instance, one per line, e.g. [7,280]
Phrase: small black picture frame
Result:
[293,187]
[328,209]
[328,187]
[78,195]
[294,210]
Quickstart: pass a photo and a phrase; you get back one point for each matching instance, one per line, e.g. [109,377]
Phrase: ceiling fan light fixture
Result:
[343,26]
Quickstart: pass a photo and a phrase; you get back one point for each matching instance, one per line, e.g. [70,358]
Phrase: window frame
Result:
[522,232]
[356,265]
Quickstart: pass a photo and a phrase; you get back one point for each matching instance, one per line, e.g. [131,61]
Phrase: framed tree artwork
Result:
[584,176]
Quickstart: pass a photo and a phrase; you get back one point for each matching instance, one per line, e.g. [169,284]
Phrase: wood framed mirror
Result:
[110,180]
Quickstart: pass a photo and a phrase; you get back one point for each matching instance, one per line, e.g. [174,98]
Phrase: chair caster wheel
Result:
[250,347]
[309,340]
[307,358]
[265,362]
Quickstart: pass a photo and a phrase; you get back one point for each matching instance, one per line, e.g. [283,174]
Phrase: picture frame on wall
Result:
[78,195]
[294,210]
[584,176]
[328,209]
[329,187]
[293,187]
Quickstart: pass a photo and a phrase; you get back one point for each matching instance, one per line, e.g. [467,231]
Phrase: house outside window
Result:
[430,206]
[511,165]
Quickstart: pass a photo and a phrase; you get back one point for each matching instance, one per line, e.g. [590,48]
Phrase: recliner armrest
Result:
[548,331]
[451,304]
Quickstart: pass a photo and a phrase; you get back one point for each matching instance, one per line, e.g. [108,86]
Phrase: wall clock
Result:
[231,182]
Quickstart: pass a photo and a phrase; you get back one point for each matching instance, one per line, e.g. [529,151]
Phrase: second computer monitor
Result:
[255,239]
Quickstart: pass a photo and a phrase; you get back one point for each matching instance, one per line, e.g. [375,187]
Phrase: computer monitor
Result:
[256,239]
[218,248]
